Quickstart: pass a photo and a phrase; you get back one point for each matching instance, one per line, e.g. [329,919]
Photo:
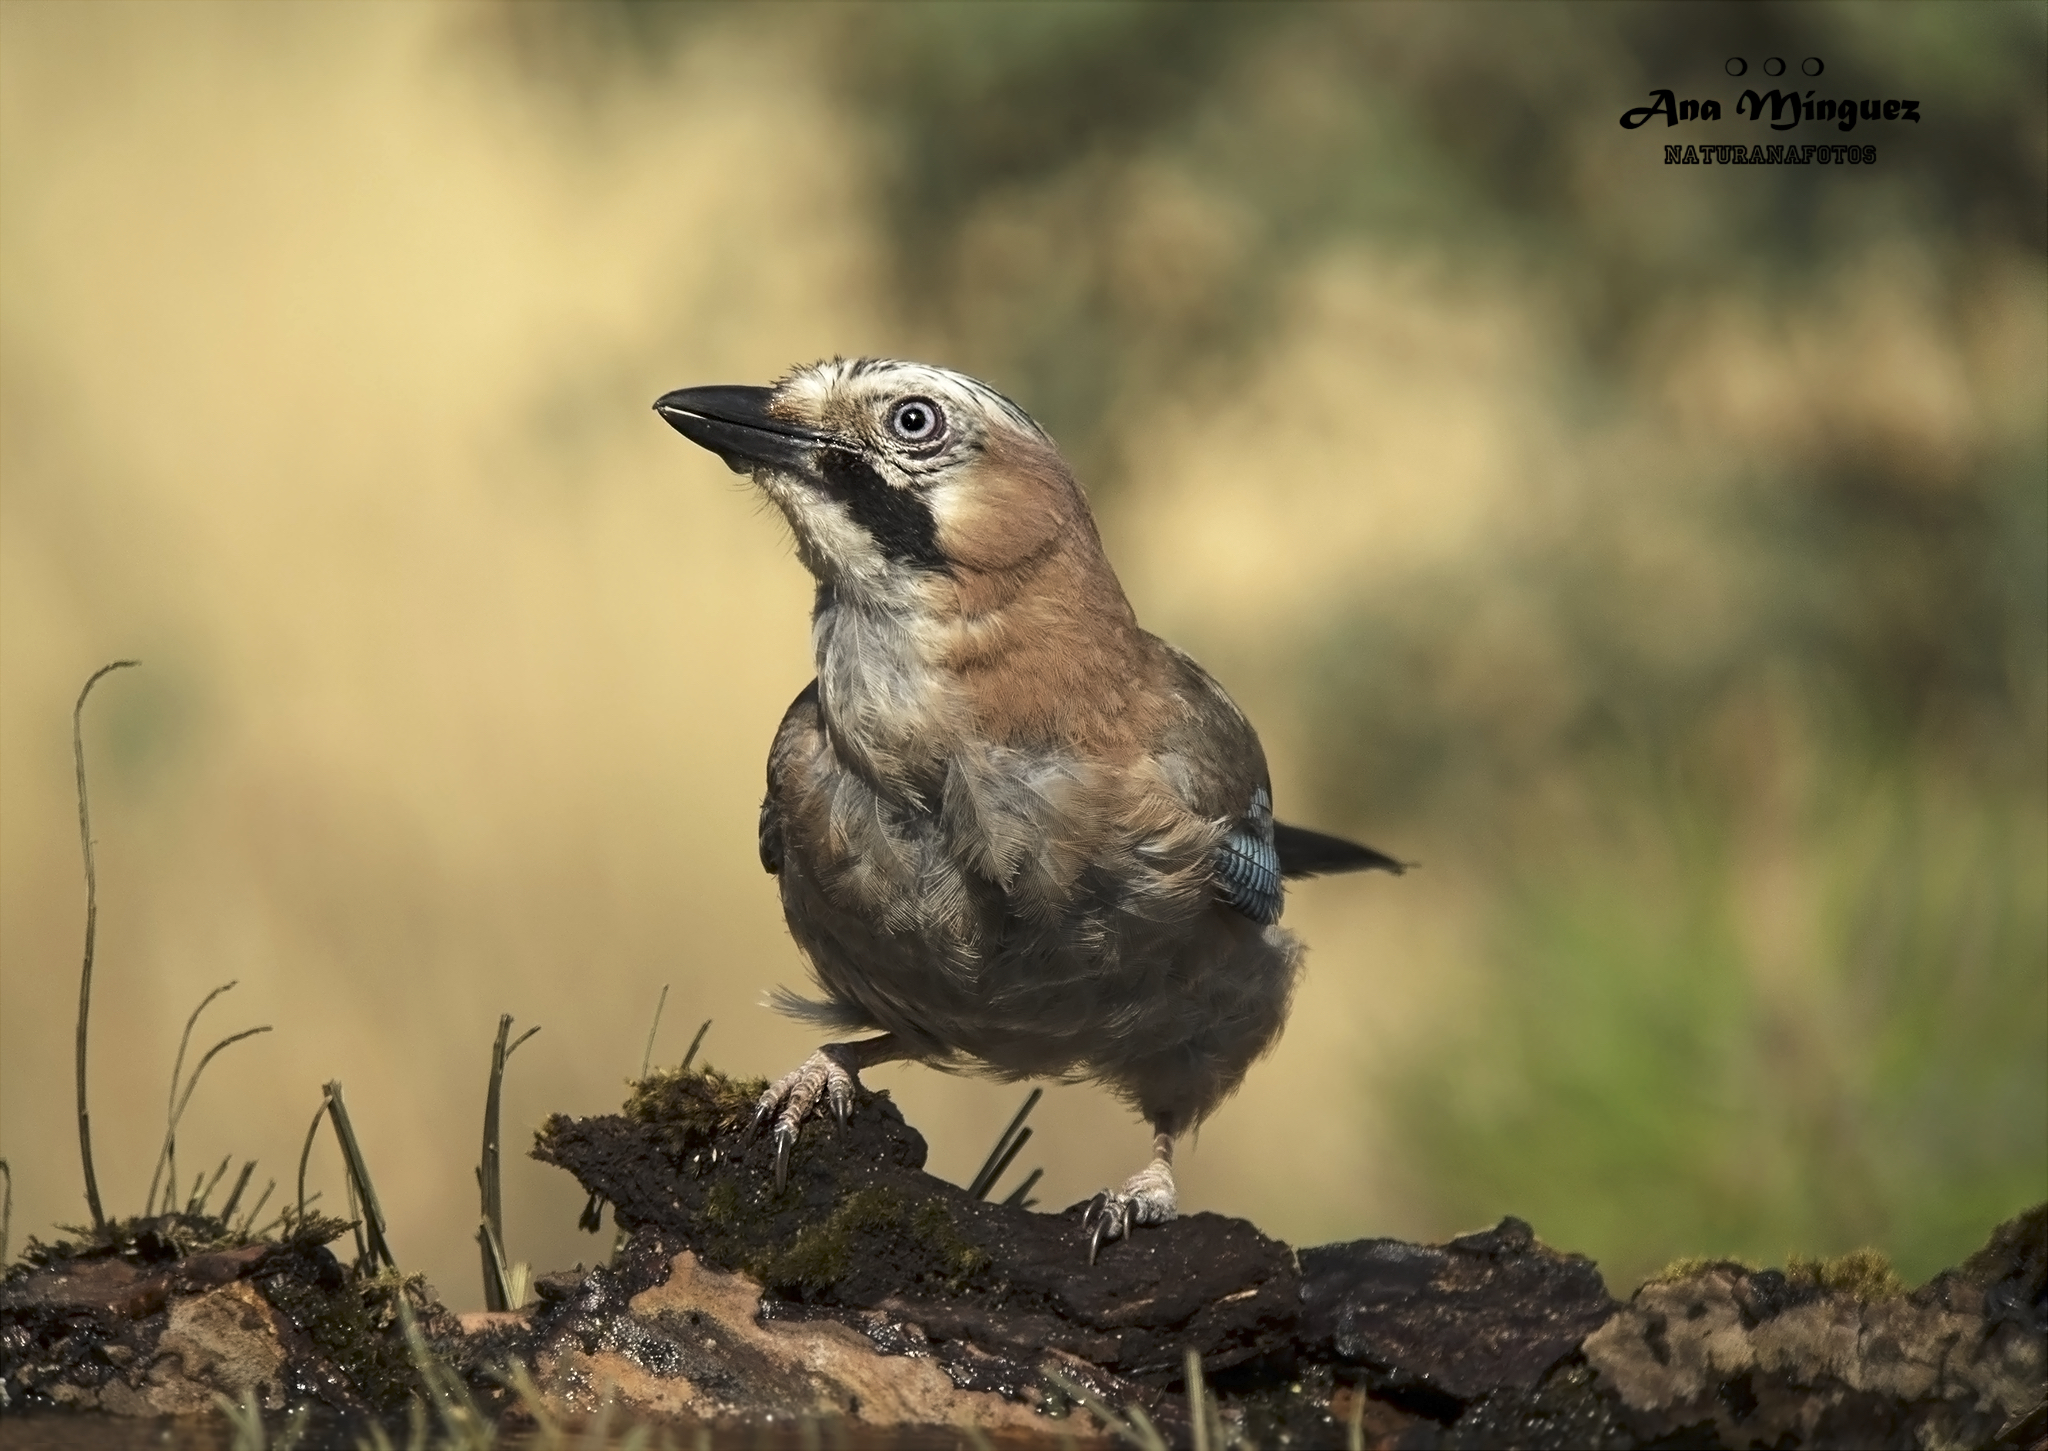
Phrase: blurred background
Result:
[1659,555]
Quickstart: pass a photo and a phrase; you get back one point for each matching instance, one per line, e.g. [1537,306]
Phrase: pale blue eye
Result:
[916,420]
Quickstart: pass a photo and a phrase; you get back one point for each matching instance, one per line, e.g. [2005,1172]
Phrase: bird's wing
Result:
[1222,773]
[1219,772]
[801,719]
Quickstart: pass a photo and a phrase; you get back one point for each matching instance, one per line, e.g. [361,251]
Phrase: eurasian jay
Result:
[1013,832]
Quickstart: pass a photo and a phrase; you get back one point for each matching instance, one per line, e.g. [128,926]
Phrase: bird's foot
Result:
[831,1074]
[1147,1197]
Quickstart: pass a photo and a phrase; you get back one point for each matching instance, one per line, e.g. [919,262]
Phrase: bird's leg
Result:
[831,1073]
[1148,1196]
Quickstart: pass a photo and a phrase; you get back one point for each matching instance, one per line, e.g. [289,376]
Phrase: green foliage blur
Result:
[1766,828]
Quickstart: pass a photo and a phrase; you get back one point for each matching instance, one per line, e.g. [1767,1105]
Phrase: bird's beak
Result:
[734,423]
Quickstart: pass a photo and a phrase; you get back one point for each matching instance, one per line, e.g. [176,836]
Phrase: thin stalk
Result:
[1020,1197]
[1198,1403]
[203,1187]
[376,1246]
[654,1027]
[490,1235]
[364,1263]
[169,1153]
[306,1151]
[249,1219]
[227,1210]
[695,1043]
[1002,1165]
[282,1224]
[1005,1149]
[171,1132]
[497,1273]
[92,915]
[6,1211]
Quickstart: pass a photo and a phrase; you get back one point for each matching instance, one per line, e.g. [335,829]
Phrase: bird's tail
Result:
[1305,853]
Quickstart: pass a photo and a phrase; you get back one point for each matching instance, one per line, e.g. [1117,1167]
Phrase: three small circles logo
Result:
[1813,65]
[1788,107]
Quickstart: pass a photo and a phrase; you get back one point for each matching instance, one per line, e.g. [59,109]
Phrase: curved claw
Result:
[1148,1197]
[1103,1221]
[824,1080]
[785,1140]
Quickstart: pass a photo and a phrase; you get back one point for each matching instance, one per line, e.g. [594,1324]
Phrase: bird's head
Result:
[892,474]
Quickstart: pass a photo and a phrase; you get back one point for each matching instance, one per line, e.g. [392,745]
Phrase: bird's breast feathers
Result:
[893,790]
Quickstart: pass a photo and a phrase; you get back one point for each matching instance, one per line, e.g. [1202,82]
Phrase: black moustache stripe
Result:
[898,520]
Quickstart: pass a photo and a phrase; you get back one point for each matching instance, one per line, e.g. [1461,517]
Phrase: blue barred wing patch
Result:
[1248,866]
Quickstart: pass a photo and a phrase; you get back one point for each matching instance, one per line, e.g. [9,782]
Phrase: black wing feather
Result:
[770,837]
[768,833]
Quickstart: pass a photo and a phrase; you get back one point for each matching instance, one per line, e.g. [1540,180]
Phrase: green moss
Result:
[1865,1273]
[703,1098]
[821,1253]
[159,1238]
[1691,1267]
[722,1205]
[1685,1267]
[933,1227]
[692,1106]
[689,1108]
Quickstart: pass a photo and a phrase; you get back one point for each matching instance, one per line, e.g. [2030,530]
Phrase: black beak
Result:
[733,422]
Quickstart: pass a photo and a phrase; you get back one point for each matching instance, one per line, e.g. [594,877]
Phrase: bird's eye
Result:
[917,420]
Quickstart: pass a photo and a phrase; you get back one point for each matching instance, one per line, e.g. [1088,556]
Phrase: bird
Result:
[1013,833]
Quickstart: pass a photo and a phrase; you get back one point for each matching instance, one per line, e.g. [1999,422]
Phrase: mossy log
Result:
[869,1294]
[1491,1339]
